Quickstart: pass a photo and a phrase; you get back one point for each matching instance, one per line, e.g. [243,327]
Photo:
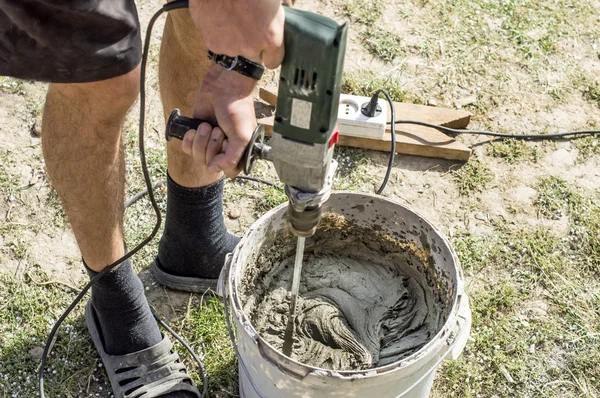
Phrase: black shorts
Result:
[68,41]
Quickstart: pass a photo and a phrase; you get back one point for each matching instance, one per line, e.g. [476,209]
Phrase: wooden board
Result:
[410,139]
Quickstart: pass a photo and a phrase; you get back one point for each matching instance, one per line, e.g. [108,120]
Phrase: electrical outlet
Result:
[352,122]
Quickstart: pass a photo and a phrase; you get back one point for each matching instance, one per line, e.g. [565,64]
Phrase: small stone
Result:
[36,353]
[234,214]
[466,101]
[432,102]
[36,129]
[480,216]
[537,309]
[507,375]
[532,348]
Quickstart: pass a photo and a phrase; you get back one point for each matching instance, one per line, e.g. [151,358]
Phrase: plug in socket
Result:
[352,122]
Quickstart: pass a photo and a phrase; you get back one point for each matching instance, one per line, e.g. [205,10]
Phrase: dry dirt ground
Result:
[523,216]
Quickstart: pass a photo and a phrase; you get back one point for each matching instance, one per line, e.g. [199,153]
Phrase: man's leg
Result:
[83,150]
[82,147]
[195,240]
[183,65]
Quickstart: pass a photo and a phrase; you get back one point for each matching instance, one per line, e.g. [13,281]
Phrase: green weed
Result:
[207,328]
[29,309]
[353,173]
[556,197]
[473,177]
[587,147]
[363,11]
[12,85]
[366,83]
[382,44]
[271,197]
[512,151]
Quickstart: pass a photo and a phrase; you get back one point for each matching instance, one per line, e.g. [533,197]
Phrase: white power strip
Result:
[352,122]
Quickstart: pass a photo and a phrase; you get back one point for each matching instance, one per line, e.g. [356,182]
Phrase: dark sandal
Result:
[149,373]
[185,283]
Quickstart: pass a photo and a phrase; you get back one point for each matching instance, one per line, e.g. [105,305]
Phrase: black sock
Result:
[195,240]
[126,322]
[125,318]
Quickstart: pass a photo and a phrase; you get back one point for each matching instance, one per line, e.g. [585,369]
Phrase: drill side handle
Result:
[178,125]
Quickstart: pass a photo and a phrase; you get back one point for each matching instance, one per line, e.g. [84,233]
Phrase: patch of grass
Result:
[12,85]
[366,12]
[208,329]
[382,44]
[475,252]
[587,84]
[587,147]
[5,176]
[503,297]
[473,177]
[366,83]
[28,309]
[512,150]
[271,197]
[512,350]
[9,184]
[353,170]
[555,197]
[536,255]
[531,255]
[592,92]
[53,203]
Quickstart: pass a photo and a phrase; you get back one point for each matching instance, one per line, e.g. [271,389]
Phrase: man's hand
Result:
[250,28]
[226,99]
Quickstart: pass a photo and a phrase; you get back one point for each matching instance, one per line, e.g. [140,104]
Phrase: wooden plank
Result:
[269,95]
[410,139]
[419,141]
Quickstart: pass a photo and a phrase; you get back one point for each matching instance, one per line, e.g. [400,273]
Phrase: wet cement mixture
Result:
[364,301]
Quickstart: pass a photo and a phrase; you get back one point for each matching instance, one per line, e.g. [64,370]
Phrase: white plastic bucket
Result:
[266,372]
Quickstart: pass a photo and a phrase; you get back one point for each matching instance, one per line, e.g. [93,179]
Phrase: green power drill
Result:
[305,129]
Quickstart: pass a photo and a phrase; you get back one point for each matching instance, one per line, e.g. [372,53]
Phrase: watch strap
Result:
[239,64]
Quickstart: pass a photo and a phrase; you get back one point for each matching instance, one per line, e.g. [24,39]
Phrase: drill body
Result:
[305,129]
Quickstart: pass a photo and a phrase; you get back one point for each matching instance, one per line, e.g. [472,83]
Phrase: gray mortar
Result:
[366,300]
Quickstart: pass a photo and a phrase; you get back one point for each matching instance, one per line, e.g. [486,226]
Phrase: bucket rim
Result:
[435,344]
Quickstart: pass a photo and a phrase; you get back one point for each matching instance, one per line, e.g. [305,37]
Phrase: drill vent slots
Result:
[304,79]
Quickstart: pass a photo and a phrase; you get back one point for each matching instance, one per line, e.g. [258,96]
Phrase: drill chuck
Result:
[304,223]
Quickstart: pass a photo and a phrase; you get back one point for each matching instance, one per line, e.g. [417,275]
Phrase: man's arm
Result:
[254,30]
[250,28]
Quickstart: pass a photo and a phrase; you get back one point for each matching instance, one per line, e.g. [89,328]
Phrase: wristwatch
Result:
[239,64]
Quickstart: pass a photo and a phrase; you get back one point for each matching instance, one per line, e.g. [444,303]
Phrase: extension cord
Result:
[352,122]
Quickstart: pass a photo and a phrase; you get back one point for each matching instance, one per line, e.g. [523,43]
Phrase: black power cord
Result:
[449,130]
[369,110]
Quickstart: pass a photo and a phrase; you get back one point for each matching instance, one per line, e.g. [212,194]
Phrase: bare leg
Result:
[195,240]
[82,147]
[183,65]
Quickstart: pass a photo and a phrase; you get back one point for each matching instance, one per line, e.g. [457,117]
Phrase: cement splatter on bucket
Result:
[381,303]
